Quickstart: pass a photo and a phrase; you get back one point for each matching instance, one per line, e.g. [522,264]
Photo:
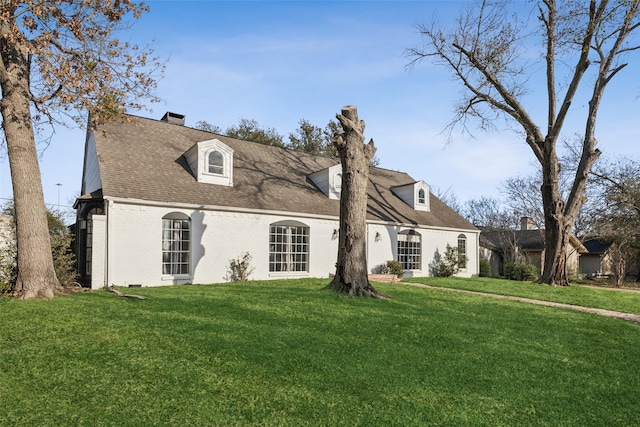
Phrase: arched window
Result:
[462,251]
[176,244]
[215,163]
[337,181]
[421,197]
[410,250]
[288,246]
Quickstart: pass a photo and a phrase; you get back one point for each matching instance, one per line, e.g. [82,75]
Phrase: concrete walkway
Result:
[599,311]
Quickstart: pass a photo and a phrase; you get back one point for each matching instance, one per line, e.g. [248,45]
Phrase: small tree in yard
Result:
[488,52]
[351,268]
[58,58]
[240,268]
[449,265]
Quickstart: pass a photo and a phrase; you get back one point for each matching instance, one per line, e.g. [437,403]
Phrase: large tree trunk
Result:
[556,227]
[36,274]
[555,254]
[351,268]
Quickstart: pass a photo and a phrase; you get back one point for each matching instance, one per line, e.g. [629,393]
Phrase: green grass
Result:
[285,353]
[605,298]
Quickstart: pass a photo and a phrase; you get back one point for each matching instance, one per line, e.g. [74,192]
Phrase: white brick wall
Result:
[135,246]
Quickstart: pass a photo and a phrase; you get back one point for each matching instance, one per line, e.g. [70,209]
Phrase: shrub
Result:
[485,268]
[395,267]
[510,271]
[523,272]
[380,269]
[63,257]
[527,272]
[7,265]
[239,268]
[448,265]
[64,261]
[390,267]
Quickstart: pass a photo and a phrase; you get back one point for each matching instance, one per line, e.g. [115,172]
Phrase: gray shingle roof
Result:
[596,245]
[531,240]
[143,159]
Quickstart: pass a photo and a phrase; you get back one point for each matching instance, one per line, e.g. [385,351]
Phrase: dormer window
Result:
[421,198]
[329,181]
[216,163]
[415,194]
[211,162]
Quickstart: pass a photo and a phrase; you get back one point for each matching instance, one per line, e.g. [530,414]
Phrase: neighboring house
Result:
[596,263]
[165,204]
[500,246]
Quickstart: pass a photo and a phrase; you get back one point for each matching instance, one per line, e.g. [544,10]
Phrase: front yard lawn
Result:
[286,353]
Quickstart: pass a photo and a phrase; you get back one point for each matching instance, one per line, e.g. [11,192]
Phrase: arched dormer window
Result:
[211,162]
[421,197]
[215,163]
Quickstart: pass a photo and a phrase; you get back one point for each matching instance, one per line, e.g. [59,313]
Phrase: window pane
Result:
[288,248]
[175,246]
[462,251]
[409,251]
[216,163]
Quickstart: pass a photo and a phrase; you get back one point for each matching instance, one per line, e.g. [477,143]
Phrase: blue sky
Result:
[279,62]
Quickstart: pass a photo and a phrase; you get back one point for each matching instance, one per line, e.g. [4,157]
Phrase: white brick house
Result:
[166,204]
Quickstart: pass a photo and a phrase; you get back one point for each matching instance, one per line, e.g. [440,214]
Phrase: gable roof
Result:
[528,240]
[531,240]
[596,245]
[141,158]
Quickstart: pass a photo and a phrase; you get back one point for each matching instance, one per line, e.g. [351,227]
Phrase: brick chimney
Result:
[526,223]
[173,118]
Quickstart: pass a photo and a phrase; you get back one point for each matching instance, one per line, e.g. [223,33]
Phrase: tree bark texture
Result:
[351,267]
[36,275]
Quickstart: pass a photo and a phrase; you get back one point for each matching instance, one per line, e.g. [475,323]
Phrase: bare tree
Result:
[487,53]
[448,197]
[522,197]
[351,267]
[60,57]
[618,214]
[490,213]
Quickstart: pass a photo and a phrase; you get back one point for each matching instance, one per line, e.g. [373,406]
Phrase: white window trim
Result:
[177,276]
[290,273]
[407,234]
[463,237]
[206,163]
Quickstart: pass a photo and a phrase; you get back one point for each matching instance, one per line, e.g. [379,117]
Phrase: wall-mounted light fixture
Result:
[378,237]
[334,236]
